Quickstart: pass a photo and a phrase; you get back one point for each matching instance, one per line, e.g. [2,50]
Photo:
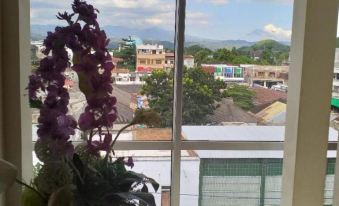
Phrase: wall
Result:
[15,66]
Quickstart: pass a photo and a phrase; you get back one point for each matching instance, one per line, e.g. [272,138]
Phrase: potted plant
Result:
[88,174]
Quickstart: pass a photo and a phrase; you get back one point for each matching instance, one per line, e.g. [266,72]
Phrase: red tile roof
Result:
[265,97]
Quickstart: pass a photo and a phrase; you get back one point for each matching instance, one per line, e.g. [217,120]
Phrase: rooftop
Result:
[265,97]
[228,112]
[273,114]
[150,46]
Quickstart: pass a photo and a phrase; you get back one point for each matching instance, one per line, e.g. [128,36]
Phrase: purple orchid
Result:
[93,64]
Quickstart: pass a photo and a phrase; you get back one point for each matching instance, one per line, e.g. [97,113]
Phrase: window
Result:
[192,144]
[158,61]
[261,74]
[142,61]
[271,74]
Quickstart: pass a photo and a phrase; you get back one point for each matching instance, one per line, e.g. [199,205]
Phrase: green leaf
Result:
[35,103]
[142,177]
[63,196]
[145,198]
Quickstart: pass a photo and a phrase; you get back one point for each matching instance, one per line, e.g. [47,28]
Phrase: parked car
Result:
[280,87]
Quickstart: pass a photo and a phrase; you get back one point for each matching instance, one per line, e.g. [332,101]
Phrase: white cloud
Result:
[129,13]
[219,2]
[270,31]
[269,1]
[155,5]
[196,18]
[277,32]
[214,2]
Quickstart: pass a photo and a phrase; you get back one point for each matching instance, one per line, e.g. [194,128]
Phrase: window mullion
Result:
[177,103]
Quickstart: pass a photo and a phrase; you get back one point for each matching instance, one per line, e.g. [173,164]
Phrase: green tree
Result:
[223,56]
[34,57]
[200,93]
[267,56]
[241,59]
[201,54]
[127,53]
[242,96]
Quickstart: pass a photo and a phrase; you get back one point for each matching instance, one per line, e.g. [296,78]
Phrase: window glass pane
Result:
[141,37]
[334,124]
[237,63]
[251,178]
[155,164]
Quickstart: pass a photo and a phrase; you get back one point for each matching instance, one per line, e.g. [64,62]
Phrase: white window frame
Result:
[311,39]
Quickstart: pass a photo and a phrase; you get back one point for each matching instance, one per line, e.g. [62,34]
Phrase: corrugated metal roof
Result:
[273,114]
[241,133]
[228,112]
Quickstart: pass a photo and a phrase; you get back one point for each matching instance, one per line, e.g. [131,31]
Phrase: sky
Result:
[250,20]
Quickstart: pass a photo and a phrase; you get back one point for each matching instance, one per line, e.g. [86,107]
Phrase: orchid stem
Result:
[116,138]
[31,188]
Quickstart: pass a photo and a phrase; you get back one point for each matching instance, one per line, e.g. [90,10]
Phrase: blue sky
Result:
[214,19]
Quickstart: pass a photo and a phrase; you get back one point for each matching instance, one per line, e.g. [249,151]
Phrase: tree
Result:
[34,57]
[267,55]
[242,96]
[224,56]
[127,53]
[200,93]
[201,54]
[241,59]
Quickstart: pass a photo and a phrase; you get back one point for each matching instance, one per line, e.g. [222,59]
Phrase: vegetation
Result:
[34,57]
[337,42]
[242,96]
[127,53]
[263,52]
[200,92]
[268,52]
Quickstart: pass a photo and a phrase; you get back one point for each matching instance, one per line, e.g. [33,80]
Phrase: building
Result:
[227,113]
[275,114]
[219,177]
[189,61]
[150,57]
[265,97]
[266,76]
[335,87]
[170,59]
[227,73]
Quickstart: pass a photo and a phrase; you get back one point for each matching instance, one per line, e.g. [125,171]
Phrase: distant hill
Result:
[165,37]
[218,44]
[153,34]
[270,44]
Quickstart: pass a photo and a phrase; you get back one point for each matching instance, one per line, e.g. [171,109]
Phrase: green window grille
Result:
[250,182]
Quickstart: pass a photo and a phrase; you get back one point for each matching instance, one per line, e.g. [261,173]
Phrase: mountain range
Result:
[149,35]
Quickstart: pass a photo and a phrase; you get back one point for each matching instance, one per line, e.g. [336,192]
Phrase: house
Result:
[266,76]
[274,114]
[169,61]
[265,97]
[150,57]
[335,86]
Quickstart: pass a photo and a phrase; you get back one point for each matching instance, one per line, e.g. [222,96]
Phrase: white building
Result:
[227,73]
[239,185]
